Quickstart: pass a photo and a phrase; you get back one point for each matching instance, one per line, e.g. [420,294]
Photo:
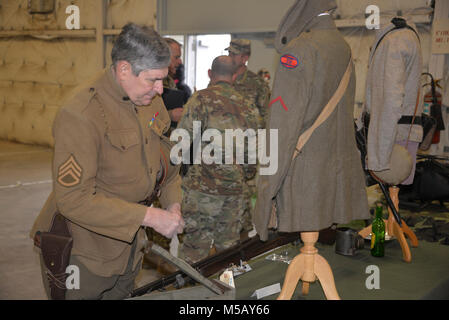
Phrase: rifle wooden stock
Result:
[209,266]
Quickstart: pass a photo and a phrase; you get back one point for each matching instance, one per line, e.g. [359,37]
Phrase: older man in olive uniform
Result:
[213,203]
[107,158]
[255,88]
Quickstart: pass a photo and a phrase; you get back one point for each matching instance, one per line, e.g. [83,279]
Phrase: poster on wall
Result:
[440,36]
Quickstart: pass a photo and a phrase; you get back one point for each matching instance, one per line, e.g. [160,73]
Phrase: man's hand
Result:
[166,222]
[174,208]
[175,114]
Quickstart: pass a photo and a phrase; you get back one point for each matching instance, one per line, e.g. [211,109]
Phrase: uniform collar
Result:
[223,83]
[321,22]
[298,18]
[242,77]
[114,89]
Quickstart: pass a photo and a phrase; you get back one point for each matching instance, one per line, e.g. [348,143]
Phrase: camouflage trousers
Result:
[249,193]
[210,220]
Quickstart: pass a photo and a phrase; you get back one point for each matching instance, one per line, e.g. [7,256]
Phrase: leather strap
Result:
[399,23]
[327,111]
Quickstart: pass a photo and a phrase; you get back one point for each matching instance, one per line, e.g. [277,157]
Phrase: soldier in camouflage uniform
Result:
[248,83]
[213,202]
[253,87]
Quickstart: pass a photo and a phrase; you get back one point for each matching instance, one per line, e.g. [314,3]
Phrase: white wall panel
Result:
[217,16]
[240,16]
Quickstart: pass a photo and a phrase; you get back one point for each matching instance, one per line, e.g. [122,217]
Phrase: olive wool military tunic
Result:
[106,159]
[325,183]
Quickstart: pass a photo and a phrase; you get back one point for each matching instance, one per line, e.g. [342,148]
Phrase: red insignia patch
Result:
[289,61]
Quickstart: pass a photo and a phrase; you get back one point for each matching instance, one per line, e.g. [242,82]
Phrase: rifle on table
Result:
[209,266]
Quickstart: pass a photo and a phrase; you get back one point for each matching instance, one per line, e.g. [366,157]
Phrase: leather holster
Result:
[56,246]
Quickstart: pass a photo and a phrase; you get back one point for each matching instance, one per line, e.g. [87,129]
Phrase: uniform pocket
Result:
[123,157]
[159,127]
[123,139]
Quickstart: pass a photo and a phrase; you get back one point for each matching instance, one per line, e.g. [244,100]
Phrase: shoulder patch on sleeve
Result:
[69,173]
[289,61]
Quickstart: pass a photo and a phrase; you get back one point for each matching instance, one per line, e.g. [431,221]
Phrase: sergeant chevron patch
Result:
[69,173]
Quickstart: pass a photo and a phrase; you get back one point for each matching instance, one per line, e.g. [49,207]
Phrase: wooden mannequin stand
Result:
[393,228]
[308,266]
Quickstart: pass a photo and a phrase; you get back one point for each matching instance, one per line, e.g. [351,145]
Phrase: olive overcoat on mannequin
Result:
[325,183]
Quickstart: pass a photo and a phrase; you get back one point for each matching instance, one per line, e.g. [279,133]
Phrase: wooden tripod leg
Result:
[365,232]
[397,231]
[294,273]
[324,274]
[410,234]
[305,288]
[399,234]
[394,192]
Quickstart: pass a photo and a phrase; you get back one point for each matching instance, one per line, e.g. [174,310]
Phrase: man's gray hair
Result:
[142,47]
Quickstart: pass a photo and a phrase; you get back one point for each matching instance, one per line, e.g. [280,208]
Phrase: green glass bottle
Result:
[378,233]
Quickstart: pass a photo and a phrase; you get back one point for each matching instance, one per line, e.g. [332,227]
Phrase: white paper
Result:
[267,291]
[174,244]
[228,278]
[252,233]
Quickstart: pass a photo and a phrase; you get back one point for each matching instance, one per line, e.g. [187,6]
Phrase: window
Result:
[208,47]
[198,52]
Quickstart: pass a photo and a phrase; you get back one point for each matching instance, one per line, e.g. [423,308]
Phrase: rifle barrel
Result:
[209,266]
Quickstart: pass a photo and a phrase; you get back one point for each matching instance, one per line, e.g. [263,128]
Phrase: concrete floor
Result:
[25,183]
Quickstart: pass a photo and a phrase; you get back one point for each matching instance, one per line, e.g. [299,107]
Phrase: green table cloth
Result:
[426,277]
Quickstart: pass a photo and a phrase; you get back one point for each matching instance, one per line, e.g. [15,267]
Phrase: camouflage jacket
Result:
[219,107]
[169,82]
[255,88]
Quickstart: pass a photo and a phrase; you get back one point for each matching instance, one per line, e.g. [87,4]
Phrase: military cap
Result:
[240,46]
